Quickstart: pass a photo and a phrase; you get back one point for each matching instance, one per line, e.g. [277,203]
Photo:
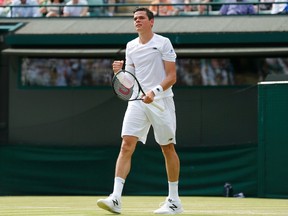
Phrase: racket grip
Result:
[155,104]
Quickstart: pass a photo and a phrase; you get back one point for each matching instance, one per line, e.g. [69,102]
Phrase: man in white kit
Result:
[151,58]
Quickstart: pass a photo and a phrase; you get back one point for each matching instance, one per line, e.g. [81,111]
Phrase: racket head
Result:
[126,86]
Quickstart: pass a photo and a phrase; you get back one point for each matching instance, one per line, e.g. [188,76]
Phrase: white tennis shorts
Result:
[140,116]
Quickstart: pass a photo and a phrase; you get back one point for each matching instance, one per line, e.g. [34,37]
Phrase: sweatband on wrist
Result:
[158,89]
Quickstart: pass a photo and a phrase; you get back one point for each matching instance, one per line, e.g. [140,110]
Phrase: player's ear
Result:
[152,22]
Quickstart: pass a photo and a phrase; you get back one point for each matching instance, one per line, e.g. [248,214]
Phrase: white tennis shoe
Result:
[111,204]
[170,207]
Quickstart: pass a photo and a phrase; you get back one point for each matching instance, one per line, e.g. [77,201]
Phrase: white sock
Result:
[173,191]
[118,186]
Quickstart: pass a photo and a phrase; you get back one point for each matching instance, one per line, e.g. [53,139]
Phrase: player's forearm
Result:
[171,76]
[169,81]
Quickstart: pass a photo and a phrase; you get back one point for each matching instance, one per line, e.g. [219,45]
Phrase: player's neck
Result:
[145,37]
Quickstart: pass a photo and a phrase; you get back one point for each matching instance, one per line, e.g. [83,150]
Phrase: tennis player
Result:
[151,58]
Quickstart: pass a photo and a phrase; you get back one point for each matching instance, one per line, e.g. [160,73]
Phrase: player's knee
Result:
[168,149]
[128,146]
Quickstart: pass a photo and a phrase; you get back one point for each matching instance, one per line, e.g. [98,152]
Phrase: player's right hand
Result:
[117,65]
[149,97]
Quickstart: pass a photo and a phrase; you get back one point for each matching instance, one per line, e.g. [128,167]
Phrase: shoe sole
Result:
[107,208]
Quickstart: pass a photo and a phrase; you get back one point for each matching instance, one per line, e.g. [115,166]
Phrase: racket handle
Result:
[155,104]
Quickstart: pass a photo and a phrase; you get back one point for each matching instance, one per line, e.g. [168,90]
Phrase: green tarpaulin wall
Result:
[273,139]
[48,170]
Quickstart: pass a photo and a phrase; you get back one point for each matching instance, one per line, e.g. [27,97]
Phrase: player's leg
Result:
[172,162]
[135,128]
[164,125]
[172,204]
[123,165]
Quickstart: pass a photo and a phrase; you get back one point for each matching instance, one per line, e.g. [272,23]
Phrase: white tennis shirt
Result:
[148,61]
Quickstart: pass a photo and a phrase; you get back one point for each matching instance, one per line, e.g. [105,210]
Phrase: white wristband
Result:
[157,89]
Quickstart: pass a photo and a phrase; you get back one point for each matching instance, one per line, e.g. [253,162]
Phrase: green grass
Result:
[139,206]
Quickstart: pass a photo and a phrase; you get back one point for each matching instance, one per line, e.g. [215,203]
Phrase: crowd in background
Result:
[55,8]
[190,71]
[65,72]
[80,8]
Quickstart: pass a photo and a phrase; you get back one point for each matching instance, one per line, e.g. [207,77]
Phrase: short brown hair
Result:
[148,12]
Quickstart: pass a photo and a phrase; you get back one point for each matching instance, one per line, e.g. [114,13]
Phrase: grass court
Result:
[139,206]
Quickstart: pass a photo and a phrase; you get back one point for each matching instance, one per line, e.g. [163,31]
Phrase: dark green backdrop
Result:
[51,170]
[273,140]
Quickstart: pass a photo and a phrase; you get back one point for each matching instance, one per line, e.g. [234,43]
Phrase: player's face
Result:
[142,22]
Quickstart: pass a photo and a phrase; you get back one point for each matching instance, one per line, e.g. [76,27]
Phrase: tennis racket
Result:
[127,87]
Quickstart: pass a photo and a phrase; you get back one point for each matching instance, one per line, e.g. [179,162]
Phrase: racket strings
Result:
[123,88]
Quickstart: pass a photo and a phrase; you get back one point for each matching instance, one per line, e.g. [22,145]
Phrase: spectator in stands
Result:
[97,10]
[52,9]
[76,8]
[4,9]
[179,7]
[42,4]
[162,10]
[30,8]
[201,8]
[188,7]
[101,10]
[266,6]
[237,9]
[111,10]
[279,8]
[277,65]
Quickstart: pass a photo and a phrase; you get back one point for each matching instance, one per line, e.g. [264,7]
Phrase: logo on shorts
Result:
[171,139]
